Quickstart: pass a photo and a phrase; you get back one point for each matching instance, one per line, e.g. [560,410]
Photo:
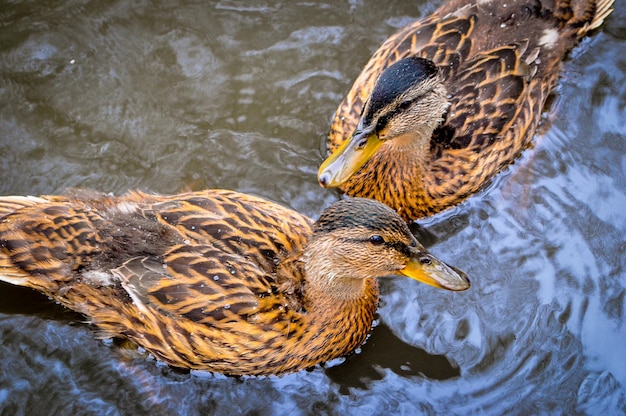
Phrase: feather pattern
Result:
[213,280]
[498,65]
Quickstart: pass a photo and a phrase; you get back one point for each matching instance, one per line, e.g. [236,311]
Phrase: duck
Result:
[215,280]
[450,100]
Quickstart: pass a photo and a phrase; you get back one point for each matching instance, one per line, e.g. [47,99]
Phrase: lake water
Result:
[118,95]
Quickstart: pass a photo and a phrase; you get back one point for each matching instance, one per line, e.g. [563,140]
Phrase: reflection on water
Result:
[233,94]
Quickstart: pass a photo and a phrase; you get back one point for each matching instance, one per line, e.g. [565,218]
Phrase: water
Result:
[237,94]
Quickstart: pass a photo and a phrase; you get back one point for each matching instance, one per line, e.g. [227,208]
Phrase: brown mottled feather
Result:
[498,72]
[213,280]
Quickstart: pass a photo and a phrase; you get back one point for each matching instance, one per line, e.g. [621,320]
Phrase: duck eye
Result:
[425,260]
[377,240]
[405,104]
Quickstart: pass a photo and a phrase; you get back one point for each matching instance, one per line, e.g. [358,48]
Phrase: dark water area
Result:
[164,96]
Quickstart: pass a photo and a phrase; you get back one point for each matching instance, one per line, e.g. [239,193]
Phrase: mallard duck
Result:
[215,280]
[448,101]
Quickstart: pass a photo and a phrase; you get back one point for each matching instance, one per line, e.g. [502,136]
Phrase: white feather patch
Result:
[126,207]
[99,278]
[549,38]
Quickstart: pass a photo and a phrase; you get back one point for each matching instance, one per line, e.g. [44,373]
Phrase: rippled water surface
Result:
[116,95]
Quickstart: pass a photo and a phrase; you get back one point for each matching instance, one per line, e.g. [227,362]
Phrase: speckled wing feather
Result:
[235,223]
[47,239]
[492,111]
[80,231]
[194,278]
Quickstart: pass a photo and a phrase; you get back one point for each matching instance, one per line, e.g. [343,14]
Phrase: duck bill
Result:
[428,269]
[348,158]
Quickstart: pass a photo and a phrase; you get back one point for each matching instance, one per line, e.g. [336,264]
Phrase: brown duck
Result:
[448,101]
[215,280]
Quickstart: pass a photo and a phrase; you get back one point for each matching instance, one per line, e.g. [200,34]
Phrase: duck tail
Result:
[43,241]
[583,16]
[8,205]
[9,274]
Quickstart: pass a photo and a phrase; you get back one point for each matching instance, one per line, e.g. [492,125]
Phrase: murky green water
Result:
[115,95]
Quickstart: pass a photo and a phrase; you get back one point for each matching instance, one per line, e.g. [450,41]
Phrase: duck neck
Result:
[338,304]
[337,286]
[338,308]
[411,149]
[336,311]
[396,174]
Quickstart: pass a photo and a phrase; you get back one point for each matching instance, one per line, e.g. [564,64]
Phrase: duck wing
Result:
[198,279]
